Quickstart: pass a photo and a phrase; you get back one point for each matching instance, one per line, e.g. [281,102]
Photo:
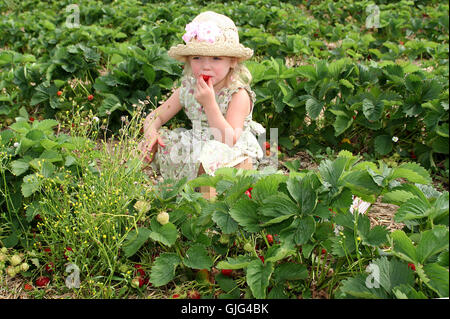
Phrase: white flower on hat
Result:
[202,31]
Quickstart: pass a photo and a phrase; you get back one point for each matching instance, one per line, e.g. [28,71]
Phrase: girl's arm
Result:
[230,126]
[162,114]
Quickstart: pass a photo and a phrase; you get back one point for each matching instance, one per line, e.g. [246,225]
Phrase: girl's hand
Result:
[148,147]
[204,92]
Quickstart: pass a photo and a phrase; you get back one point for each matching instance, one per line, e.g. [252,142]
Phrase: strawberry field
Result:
[357,89]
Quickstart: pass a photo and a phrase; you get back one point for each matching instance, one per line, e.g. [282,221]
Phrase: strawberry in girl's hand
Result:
[206,77]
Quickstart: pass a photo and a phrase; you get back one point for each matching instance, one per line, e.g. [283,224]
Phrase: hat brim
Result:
[181,51]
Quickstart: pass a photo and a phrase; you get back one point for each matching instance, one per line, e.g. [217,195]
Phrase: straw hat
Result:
[211,34]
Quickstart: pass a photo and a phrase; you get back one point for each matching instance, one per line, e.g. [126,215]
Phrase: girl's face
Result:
[216,67]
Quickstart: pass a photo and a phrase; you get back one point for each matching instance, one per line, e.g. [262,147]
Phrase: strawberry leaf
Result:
[163,270]
[258,275]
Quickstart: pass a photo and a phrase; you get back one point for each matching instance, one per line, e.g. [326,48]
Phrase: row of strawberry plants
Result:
[266,230]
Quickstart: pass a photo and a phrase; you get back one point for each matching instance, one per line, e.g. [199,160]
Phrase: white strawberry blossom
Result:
[395,139]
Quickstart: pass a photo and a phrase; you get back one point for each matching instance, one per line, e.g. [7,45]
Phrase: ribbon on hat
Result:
[202,31]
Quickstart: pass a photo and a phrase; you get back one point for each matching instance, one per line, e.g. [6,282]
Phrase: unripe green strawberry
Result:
[2,265]
[24,267]
[135,283]
[248,247]
[224,239]
[15,260]
[163,218]
[11,271]
[2,257]
[4,250]
[142,206]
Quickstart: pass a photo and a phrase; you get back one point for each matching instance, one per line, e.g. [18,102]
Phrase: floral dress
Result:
[186,149]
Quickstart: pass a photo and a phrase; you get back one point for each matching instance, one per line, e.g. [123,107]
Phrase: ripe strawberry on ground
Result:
[248,192]
[27,287]
[66,252]
[227,272]
[269,239]
[193,294]
[42,281]
[49,267]
[59,93]
[90,97]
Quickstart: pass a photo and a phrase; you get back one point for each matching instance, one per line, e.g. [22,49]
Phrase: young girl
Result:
[216,97]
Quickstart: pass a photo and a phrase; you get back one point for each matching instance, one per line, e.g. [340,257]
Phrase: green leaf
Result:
[166,234]
[412,172]
[383,144]
[20,166]
[438,279]
[356,287]
[361,184]
[277,205]
[30,185]
[408,292]
[313,107]
[277,252]
[393,273]
[163,270]
[226,223]
[414,208]
[341,124]
[135,239]
[300,231]
[303,192]
[372,111]
[432,242]
[226,283]
[403,246]
[197,257]
[290,271]
[238,262]
[245,213]
[397,197]
[258,275]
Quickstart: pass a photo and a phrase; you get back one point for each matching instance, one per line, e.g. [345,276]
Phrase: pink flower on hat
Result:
[203,31]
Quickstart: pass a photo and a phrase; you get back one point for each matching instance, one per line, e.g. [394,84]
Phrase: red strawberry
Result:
[270,238]
[267,145]
[67,249]
[227,272]
[31,119]
[324,251]
[193,294]
[42,281]
[90,97]
[48,250]
[412,266]
[28,287]
[175,296]
[248,192]
[262,258]
[59,93]
[139,270]
[206,77]
[49,267]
